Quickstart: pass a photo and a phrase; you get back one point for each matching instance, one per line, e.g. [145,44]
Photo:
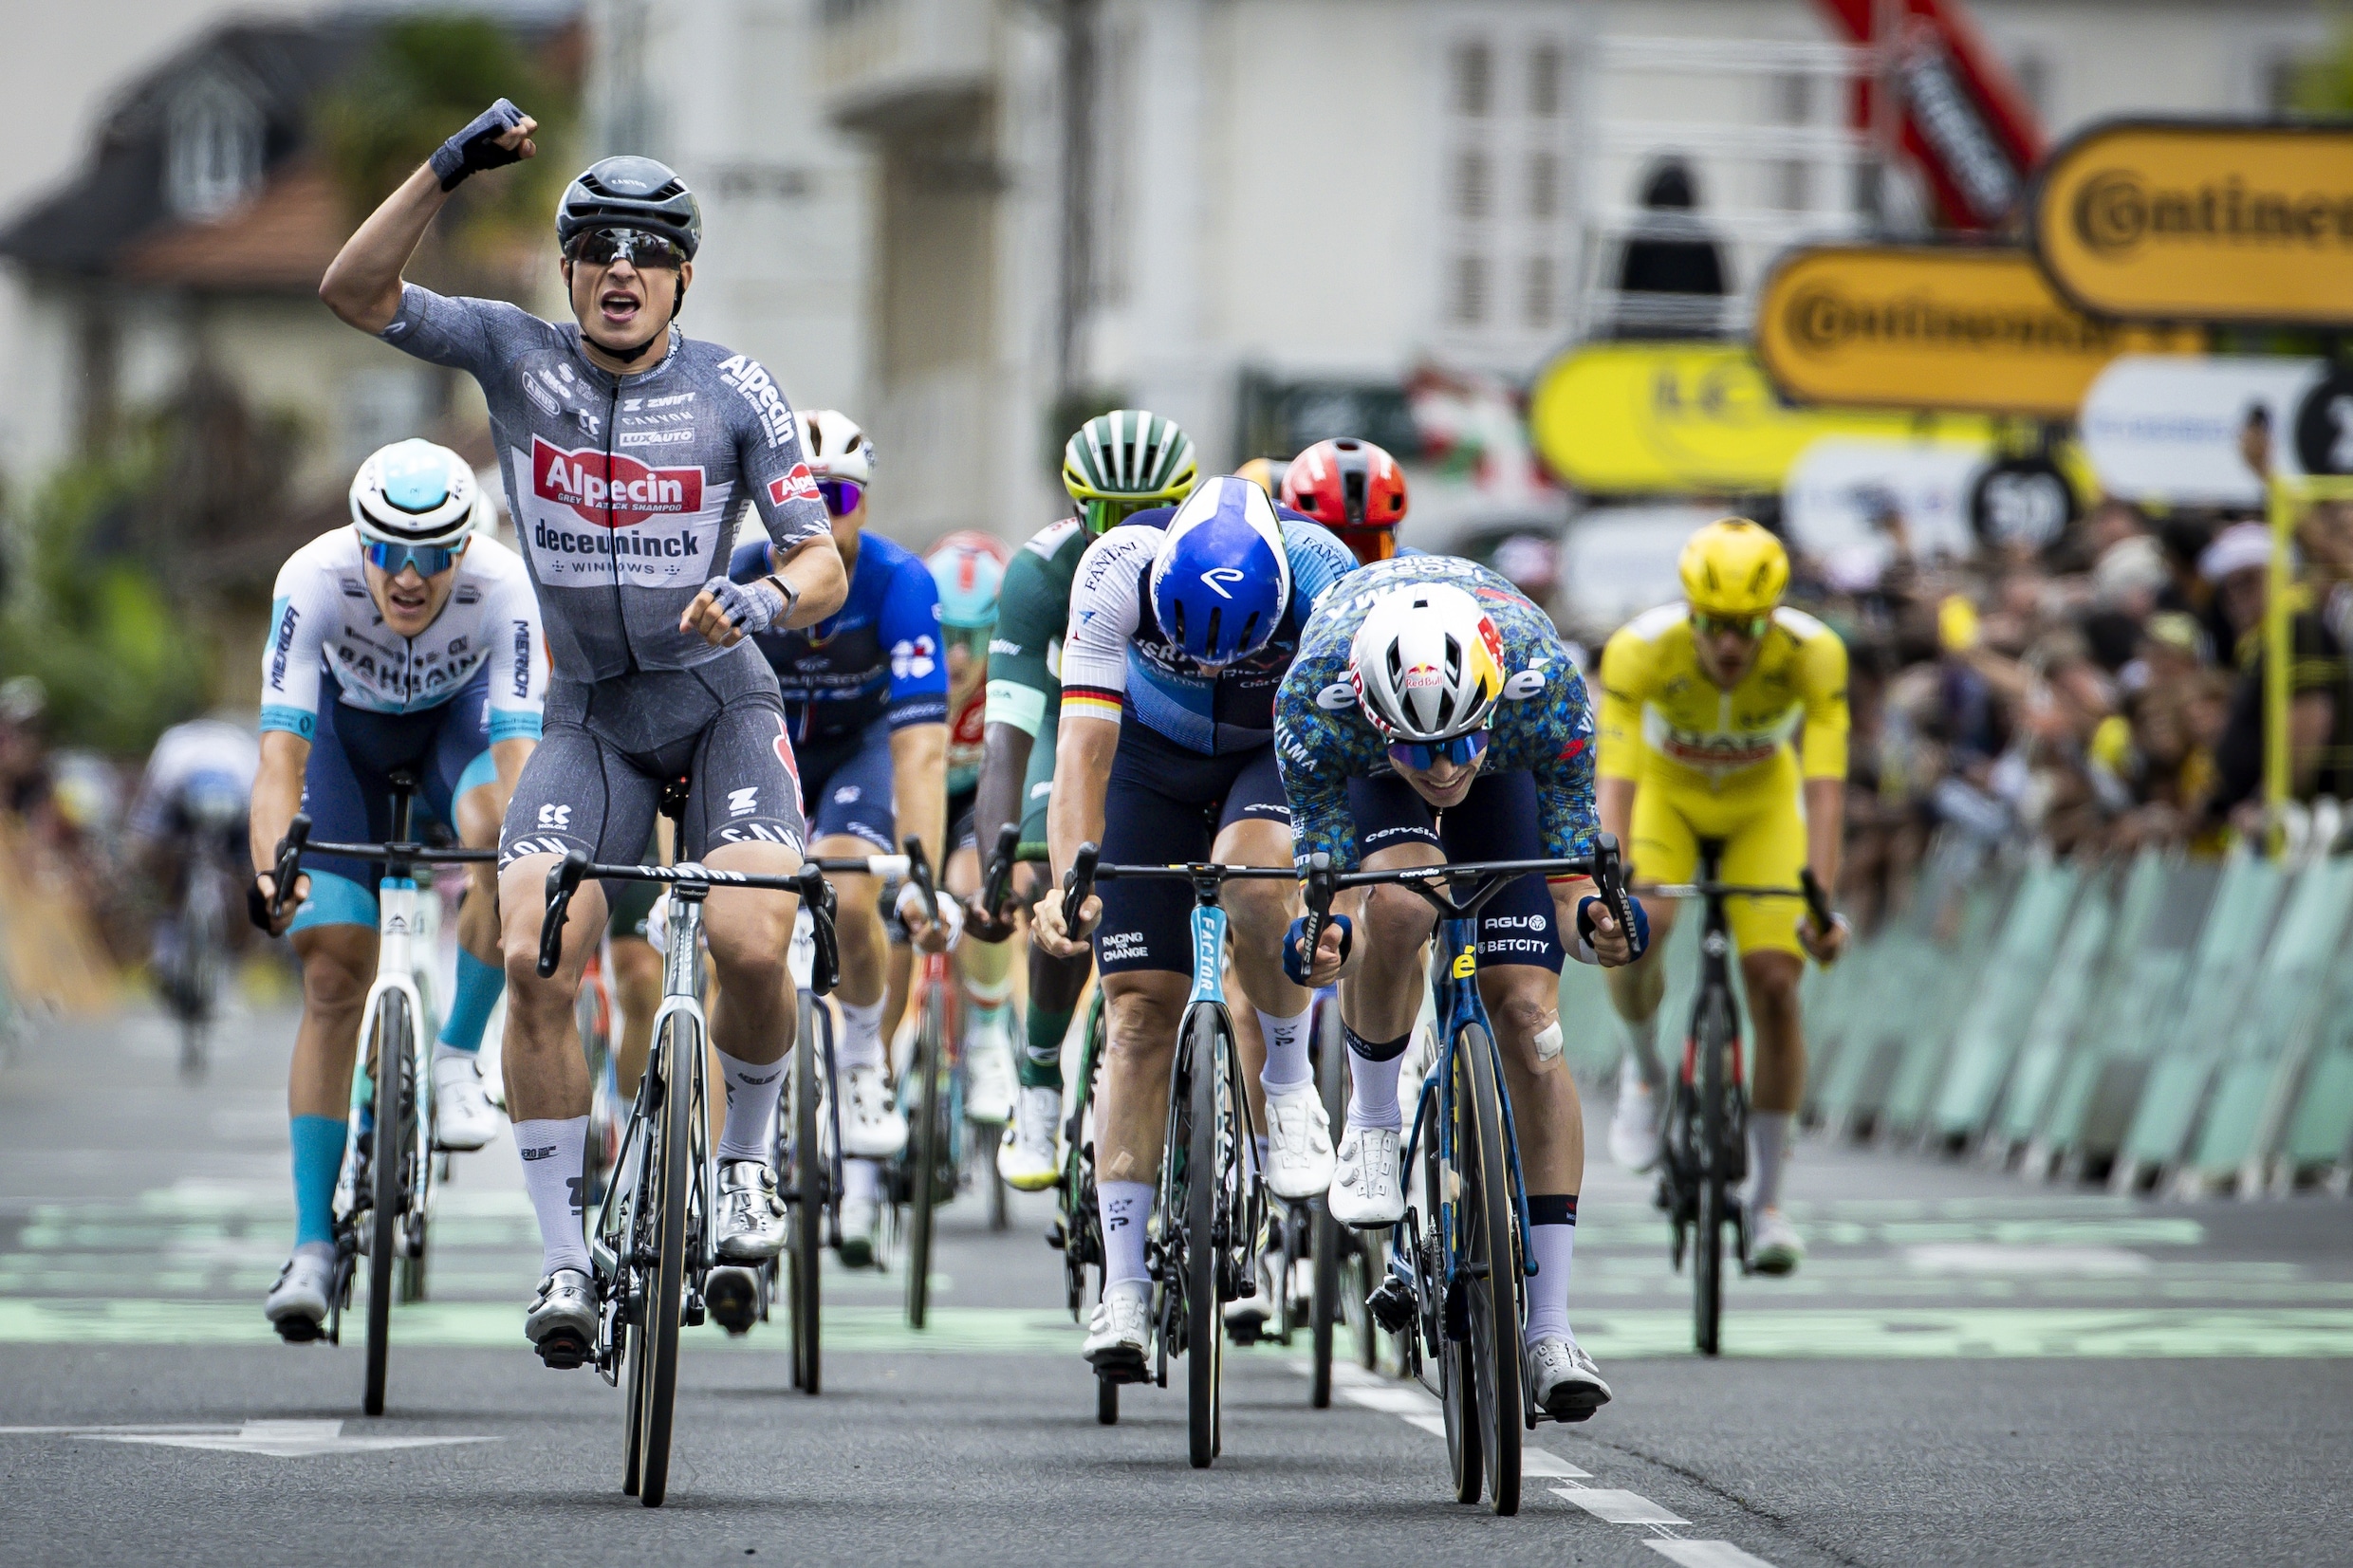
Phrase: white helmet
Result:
[1426,664]
[835,446]
[413,492]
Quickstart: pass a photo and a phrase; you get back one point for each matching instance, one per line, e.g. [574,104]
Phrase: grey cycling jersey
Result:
[625,489]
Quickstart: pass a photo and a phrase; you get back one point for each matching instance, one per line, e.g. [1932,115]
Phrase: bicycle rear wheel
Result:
[1488,1245]
[1712,1036]
[927,1143]
[389,1050]
[1209,1099]
[668,1186]
[807,1176]
[1326,1310]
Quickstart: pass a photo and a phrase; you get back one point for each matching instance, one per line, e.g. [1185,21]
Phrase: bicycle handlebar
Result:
[808,884]
[1079,883]
[890,868]
[1603,866]
[290,864]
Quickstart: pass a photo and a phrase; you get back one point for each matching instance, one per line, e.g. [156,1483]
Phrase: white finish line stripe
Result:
[1541,1462]
[1393,1400]
[1705,1554]
[1620,1507]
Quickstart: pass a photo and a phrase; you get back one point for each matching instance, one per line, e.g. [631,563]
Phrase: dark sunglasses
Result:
[1422,756]
[428,559]
[602,247]
[840,496]
[1752,627]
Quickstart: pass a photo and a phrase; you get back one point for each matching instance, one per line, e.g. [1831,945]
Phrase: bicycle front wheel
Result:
[669,1183]
[1714,1040]
[1325,1310]
[1486,1243]
[807,1174]
[389,1052]
[1443,1308]
[927,1142]
[1210,1098]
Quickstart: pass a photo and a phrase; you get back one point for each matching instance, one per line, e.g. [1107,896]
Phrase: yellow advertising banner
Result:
[2200,221]
[1683,417]
[1919,327]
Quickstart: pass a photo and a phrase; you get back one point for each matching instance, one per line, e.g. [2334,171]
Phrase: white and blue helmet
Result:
[415,492]
[1222,577]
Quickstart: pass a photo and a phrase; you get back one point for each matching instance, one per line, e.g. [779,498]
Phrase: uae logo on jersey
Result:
[797,485]
[612,491]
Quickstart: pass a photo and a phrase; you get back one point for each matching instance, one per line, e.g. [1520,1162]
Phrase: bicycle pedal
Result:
[563,1351]
[1392,1306]
[1054,1238]
[300,1331]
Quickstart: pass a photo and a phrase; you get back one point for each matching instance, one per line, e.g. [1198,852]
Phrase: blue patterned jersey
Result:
[1544,724]
[878,653]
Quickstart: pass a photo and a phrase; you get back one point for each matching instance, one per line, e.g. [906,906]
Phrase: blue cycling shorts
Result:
[1497,821]
[846,787]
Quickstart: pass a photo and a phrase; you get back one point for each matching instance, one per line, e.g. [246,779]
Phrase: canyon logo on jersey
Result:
[593,518]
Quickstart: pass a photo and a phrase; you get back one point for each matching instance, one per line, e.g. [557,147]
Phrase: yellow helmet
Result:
[1734,567]
[1265,472]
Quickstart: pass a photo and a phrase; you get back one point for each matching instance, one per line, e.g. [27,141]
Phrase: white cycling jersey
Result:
[324,618]
[212,749]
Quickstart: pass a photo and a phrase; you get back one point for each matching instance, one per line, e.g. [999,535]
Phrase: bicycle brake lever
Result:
[920,873]
[1610,879]
[1318,894]
[563,882]
[1079,883]
[825,960]
[1000,874]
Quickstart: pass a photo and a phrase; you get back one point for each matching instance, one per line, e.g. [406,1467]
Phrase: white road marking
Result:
[1620,1507]
[277,1439]
[1542,1462]
[1396,1399]
[1705,1554]
[1433,1424]
[2011,1258]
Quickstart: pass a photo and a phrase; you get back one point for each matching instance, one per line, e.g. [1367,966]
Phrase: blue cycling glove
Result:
[1295,966]
[476,148]
[748,607]
[1586,906]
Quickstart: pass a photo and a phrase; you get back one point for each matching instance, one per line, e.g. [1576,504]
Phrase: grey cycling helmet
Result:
[630,192]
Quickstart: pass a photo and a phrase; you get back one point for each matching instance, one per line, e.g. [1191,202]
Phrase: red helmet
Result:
[1352,488]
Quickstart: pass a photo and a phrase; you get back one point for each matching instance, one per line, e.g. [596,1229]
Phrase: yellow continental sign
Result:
[1908,327]
[1647,417]
[2200,221]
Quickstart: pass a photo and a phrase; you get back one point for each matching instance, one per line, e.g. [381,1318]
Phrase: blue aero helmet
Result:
[1222,577]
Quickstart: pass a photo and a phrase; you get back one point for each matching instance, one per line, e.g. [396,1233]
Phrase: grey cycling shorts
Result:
[607,750]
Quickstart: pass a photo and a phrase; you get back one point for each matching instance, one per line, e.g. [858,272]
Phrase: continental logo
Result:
[1822,320]
[2119,211]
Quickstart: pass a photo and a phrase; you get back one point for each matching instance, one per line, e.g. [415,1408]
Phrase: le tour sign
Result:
[1962,328]
[2201,221]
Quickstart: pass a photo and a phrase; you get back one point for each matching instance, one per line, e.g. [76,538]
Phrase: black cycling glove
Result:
[476,148]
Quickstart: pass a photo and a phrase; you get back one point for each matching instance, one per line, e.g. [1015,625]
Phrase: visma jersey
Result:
[878,653]
[324,620]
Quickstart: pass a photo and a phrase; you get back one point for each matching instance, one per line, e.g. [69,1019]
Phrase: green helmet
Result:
[1124,461]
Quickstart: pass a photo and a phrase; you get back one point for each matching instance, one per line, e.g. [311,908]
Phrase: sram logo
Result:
[627,492]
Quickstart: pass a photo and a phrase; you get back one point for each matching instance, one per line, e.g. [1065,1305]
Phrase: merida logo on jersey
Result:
[628,493]
[1216,578]
[522,658]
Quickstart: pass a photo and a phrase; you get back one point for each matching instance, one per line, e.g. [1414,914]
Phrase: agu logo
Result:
[627,492]
[797,485]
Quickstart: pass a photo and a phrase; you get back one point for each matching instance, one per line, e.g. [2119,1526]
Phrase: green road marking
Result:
[1908,1334]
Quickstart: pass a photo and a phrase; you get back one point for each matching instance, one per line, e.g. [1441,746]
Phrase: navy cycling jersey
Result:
[877,655]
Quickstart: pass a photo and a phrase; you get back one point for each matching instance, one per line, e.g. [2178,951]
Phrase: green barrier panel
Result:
[1595,1037]
[1994,1023]
[2256,1075]
[2146,1099]
[2135,995]
[2320,1133]
[1937,1011]
[2058,1018]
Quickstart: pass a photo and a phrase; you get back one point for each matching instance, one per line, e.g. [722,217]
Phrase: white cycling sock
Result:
[752,1090]
[552,1154]
[1373,1084]
[1642,1049]
[1286,1052]
[1768,1147]
[861,1044]
[861,1180]
[1551,1242]
[1126,1209]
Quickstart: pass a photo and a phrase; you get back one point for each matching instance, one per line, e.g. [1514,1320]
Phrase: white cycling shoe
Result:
[752,1217]
[1633,1126]
[873,1128]
[1564,1381]
[1364,1191]
[463,1117]
[989,1084]
[1776,1248]
[861,1219]
[296,1305]
[1027,1158]
[1299,1143]
[1119,1331]
[561,1323]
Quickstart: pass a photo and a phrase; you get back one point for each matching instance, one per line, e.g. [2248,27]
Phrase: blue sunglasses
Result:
[1422,756]
[428,559]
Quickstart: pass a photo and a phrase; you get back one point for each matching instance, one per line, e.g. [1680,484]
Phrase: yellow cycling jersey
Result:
[1663,718]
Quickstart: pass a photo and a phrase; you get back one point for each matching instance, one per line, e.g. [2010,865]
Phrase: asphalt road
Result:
[1968,1370]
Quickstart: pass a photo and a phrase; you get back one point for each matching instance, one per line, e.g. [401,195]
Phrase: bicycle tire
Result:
[1458,1395]
[1082,1223]
[390,1053]
[1106,1402]
[809,1206]
[1491,1232]
[657,1343]
[1325,1308]
[927,1136]
[1205,1048]
[1713,1035]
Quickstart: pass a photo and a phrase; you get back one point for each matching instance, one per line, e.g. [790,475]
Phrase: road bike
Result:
[1459,1258]
[650,1247]
[199,968]
[1212,1207]
[383,1201]
[1704,1156]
